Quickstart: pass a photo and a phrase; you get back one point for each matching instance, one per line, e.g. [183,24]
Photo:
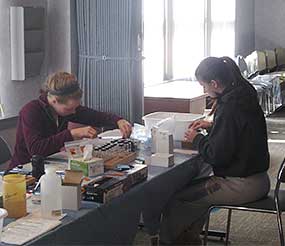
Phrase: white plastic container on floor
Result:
[181,122]
[3,215]
[51,194]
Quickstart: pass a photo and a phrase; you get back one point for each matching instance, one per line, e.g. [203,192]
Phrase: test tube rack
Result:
[119,151]
[123,158]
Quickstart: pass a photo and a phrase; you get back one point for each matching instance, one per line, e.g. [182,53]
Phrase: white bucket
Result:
[182,122]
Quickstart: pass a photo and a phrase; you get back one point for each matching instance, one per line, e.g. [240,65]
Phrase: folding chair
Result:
[256,63]
[274,203]
[271,63]
[280,58]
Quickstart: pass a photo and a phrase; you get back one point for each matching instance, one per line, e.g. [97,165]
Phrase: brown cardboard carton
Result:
[71,190]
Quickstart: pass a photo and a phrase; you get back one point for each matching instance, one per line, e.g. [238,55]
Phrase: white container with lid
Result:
[3,214]
[181,122]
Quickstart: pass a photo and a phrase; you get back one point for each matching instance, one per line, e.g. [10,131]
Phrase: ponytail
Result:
[222,69]
[238,78]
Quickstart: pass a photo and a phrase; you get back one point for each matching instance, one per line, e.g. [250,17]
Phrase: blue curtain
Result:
[110,59]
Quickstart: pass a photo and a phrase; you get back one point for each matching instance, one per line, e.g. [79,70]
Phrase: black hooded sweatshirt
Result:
[236,145]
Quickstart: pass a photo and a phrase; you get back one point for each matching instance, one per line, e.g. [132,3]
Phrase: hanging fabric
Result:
[110,59]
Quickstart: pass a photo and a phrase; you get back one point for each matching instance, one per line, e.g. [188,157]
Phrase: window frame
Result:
[168,36]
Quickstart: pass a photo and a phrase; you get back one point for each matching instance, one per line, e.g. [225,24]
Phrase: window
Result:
[178,34]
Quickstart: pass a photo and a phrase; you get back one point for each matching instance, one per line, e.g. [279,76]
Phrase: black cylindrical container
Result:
[38,166]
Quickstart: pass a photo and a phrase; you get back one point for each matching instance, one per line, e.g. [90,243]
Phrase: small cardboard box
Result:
[162,160]
[138,173]
[103,189]
[188,145]
[113,183]
[71,190]
[93,167]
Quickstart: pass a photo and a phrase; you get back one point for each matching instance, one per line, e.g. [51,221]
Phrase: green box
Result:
[92,167]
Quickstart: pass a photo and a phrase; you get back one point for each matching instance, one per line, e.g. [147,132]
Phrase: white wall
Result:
[244,27]
[59,31]
[60,51]
[269,24]
[260,25]
[14,94]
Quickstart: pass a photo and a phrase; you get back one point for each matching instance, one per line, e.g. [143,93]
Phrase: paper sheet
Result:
[112,134]
[26,229]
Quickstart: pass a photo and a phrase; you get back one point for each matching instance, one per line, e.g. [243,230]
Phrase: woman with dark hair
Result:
[42,125]
[235,147]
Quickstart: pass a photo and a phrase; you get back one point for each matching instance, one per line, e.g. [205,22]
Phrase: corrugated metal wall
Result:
[110,60]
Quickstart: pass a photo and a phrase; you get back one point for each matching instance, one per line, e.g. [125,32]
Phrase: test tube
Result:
[95,151]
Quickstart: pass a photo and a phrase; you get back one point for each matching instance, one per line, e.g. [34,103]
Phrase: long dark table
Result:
[116,222]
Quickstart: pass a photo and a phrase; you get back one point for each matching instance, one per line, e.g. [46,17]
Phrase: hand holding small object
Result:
[125,128]
[190,134]
[83,132]
[200,124]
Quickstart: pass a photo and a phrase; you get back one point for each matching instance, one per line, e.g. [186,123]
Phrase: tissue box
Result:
[93,167]
[71,190]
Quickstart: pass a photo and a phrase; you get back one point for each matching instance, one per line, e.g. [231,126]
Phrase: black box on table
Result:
[113,183]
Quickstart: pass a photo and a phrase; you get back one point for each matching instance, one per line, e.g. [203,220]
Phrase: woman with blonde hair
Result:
[43,123]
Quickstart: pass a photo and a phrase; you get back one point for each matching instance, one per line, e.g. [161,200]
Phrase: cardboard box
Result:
[162,160]
[71,190]
[113,183]
[188,145]
[93,167]
[162,141]
[131,177]
[102,189]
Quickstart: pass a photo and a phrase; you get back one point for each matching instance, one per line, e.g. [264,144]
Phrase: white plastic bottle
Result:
[51,197]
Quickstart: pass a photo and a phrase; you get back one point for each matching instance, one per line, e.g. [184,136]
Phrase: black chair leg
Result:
[280,228]
[205,241]
[228,226]
[212,233]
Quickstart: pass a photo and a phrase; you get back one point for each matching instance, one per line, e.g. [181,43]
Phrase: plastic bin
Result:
[182,122]
[3,214]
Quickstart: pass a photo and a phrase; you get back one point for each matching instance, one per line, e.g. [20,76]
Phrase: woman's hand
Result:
[84,132]
[125,127]
[200,124]
[190,134]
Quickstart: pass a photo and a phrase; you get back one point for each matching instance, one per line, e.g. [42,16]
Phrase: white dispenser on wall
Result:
[27,36]
[17,43]
[51,194]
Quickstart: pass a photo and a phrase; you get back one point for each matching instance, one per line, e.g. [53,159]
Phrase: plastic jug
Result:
[51,198]
[14,195]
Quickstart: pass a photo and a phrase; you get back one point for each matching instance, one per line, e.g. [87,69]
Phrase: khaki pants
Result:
[188,209]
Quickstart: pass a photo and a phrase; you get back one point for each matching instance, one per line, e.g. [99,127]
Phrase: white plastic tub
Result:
[3,215]
[182,122]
